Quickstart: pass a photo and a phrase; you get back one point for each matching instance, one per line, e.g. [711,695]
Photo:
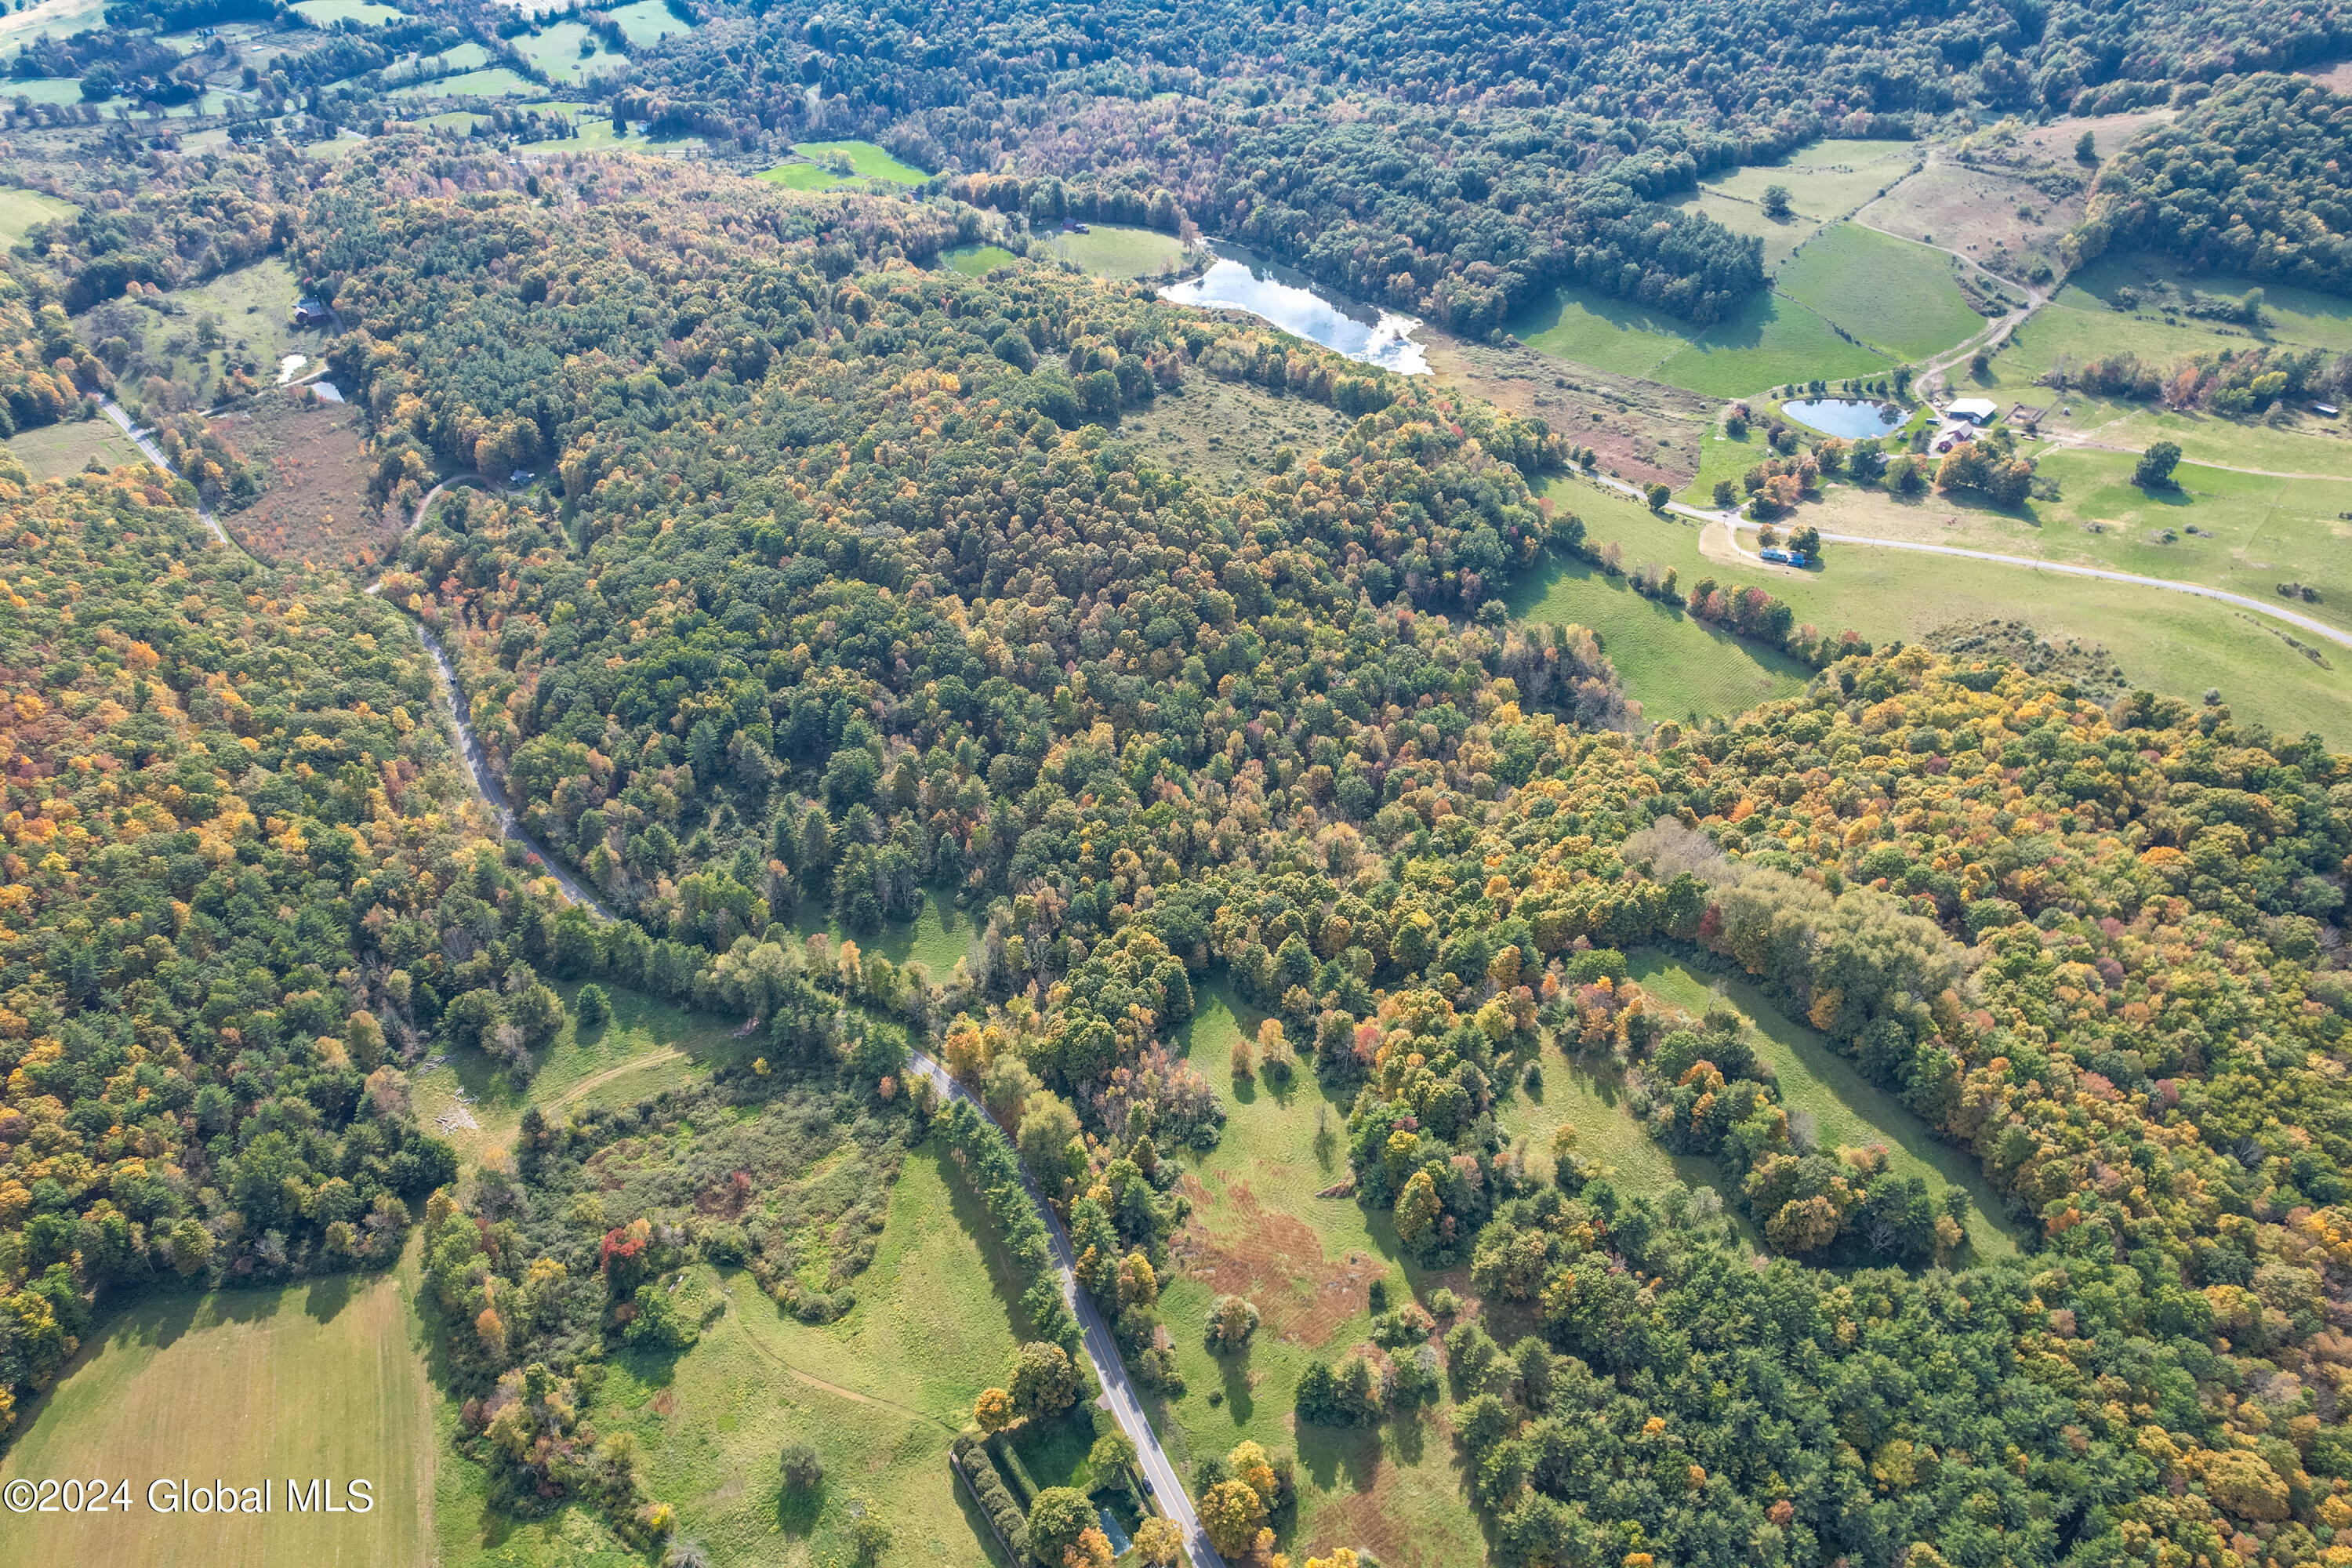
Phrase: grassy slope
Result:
[2253,532]
[1395,1489]
[1676,667]
[1111,250]
[2170,642]
[1843,1107]
[319,1380]
[50,451]
[878,1394]
[1770,340]
[648,21]
[2080,323]
[867,161]
[980,260]
[1884,291]
[556,51]
[327,12]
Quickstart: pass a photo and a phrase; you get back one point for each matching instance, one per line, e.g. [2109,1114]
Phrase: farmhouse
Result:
[309,313]
[1975,410]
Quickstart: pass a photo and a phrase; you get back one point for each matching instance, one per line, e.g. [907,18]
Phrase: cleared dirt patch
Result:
[1275,1261]
[1643,430]
[315,507]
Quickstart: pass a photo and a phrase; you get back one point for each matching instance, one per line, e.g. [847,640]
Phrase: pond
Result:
[1240,280]
[1846,417]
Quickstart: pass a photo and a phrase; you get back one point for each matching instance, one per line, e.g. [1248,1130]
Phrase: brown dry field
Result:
[1972,206]
[316,507]
[1275,1261]
[1642,430]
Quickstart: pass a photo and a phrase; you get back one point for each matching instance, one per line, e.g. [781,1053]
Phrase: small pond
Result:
[1239,280]
[1846,417]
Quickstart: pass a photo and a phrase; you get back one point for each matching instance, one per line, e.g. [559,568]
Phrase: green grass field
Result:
[464,57]
[646,1047]
[2080,323]
[49,19]
[1781,236]
[367,13]
[648,21]
[1884,291]
[499,83]
[1843,1107]
[51,90]
[866,162]
[938,935]
[1111,250]
[557,51]
[254,306]
[980,260]
[878,1393]
[1307,1262]
[1827,179]
[53,451]
[1675,665]
[1773,340]
[2171,643]
[321,1380]
[2251,532]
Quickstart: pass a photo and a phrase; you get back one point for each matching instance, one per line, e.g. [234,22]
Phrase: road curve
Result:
[485,783]
[1732,524]
[1118,1391]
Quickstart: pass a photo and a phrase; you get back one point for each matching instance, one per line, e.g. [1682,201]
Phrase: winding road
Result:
[1119,1396]
[155,454]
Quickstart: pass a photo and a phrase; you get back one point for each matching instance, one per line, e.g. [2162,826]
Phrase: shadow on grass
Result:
[328,1296]
[798,1509]
[971,1213]
[1340,1458]
[1232,1371]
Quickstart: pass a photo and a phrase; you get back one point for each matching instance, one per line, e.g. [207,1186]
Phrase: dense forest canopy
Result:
[852,588]
[1454,160]
[2251,182]
[243,889]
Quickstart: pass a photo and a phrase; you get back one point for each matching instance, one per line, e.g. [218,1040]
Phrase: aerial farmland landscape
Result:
[1289,785]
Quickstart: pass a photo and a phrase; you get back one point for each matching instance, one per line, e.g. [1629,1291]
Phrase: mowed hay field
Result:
[1887,291]
[1771,340]
[21,209]
[1258,1230]
[878,1394]
[1675,665]
[2171,643]
[1111,250]
[322,1380]
[866,162]
[53,451]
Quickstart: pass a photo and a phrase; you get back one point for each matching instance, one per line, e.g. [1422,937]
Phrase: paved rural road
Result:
[1119,1392]
[155,454]
[486,783]
[1732,524]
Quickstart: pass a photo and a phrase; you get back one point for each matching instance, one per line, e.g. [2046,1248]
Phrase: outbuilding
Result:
[1975,410]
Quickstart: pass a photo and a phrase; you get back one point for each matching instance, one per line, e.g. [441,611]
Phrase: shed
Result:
[1975,410]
